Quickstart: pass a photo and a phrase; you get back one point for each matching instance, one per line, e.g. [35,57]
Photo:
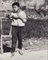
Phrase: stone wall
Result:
[6,4]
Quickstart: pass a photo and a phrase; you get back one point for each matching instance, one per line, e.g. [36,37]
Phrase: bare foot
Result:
[20,52]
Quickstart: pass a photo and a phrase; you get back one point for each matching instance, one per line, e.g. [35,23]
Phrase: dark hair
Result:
[15,3]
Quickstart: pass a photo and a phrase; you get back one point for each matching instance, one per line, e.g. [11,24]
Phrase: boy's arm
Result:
[9,16]
[22,17]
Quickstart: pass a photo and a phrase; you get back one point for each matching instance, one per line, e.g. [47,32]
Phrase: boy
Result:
[18,22]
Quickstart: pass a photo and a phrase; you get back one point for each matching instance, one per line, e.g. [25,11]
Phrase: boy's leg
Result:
[14,38]
[20,39]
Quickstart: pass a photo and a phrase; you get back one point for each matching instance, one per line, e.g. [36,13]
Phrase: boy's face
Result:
[15,8]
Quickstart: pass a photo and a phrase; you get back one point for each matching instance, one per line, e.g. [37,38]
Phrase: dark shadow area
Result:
[35,28]
[6,49]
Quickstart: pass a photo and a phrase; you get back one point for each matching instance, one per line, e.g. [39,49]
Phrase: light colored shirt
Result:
[19,22]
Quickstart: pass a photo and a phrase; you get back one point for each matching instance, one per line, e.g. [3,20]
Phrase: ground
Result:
[34,55]
[33,49]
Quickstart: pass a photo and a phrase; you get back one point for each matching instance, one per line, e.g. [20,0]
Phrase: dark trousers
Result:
[16,34]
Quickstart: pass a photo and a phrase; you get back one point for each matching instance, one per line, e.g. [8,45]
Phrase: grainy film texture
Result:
[35,32]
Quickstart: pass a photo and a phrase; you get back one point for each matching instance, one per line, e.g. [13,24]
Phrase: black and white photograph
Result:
[23,29]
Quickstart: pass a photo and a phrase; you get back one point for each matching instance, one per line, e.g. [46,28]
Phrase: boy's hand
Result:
[8,16]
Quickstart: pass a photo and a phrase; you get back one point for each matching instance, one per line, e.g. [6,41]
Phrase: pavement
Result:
[28,55]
